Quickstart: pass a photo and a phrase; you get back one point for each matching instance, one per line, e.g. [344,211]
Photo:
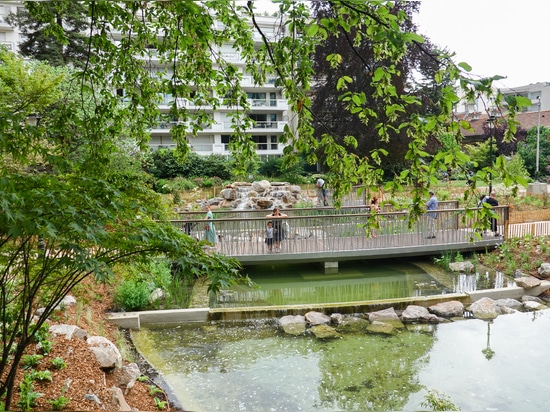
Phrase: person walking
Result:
[278,228]
[431,205]
[492,200]
[210,234]
[321,191]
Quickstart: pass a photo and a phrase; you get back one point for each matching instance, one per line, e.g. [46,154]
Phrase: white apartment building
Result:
[269,110]
[538,93]
[9,36]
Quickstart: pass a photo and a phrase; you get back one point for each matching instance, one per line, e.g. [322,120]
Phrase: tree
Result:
[207,79]
[64,217]
[528,151]
[357,59]
[68,45]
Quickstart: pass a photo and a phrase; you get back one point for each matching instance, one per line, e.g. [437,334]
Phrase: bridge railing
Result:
[344,210]
[316,233]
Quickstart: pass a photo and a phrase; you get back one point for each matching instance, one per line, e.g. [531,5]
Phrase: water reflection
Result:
[354,281]
[253,366]
[463,283]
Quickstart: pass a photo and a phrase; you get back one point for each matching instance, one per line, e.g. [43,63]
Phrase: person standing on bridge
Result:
[492,200]
[278,228]
[431,205]
[209,229]
[374,207]
[321,192]
[269,233]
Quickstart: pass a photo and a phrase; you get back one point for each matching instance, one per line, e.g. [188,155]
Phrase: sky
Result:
[504,37]
[495,37]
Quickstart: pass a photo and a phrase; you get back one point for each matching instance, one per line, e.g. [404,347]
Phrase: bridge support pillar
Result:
[331,267]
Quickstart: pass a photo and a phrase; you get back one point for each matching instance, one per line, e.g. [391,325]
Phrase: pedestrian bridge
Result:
[329,235]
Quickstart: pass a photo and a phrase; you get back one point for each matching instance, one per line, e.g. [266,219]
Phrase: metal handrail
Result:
[332,233]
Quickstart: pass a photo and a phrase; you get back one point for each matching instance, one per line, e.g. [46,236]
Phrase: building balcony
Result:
[225,127]
[255,104]
[7,44]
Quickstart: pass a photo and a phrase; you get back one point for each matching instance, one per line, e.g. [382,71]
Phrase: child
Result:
[269,236]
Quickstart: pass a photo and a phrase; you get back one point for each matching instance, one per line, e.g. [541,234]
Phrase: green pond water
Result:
[353,282]
[254,366]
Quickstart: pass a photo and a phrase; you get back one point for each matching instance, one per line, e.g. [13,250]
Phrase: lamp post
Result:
[33,119]
[538,145]
[491,124]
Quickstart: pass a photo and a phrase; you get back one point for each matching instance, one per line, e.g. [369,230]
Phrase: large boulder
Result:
[293,325]
[484,308]
[324,331]
[352,324]
[106,353]
[527,282]
[386,316]
[317,318]
[261,186]
[544,270]
[463,267]
[418,314]
[69,331]
[452,308]
[381,328]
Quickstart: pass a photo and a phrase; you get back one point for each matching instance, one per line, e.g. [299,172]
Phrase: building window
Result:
[262,142]
[274,143]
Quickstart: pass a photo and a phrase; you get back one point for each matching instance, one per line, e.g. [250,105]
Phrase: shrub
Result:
[31,361]
[59,363]
[163,186]
[59,403]
[131,295]
[181,183]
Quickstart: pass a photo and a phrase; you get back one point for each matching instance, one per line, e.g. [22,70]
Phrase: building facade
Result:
[268,109]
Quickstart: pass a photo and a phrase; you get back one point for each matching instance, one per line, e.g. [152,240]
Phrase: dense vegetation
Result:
[75,196]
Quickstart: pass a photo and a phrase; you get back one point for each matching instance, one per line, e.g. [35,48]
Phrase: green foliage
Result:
[46,346]
[438,402]
[42,44]
[59,363]
[528,151]
[59,403]
[142,378]
[41,376]
[31,361]
[181,183]
[154,390]
[161,405]
[41,332]
[166,164]
[72,181]
[516,166]
[27,395]
[176,199]
[131,295]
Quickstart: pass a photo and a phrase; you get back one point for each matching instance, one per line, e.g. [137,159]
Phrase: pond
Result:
[254,366]
[354,281]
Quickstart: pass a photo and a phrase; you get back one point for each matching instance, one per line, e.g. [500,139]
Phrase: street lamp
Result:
[33,119]
[491,124]
[538,145]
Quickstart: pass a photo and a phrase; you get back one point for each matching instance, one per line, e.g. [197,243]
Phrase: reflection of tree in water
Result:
[488,352]
[372,372]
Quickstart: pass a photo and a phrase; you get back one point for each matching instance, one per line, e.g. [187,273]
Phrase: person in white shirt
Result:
[321,192]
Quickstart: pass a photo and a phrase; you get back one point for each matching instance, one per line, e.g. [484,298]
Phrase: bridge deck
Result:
[338,237]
